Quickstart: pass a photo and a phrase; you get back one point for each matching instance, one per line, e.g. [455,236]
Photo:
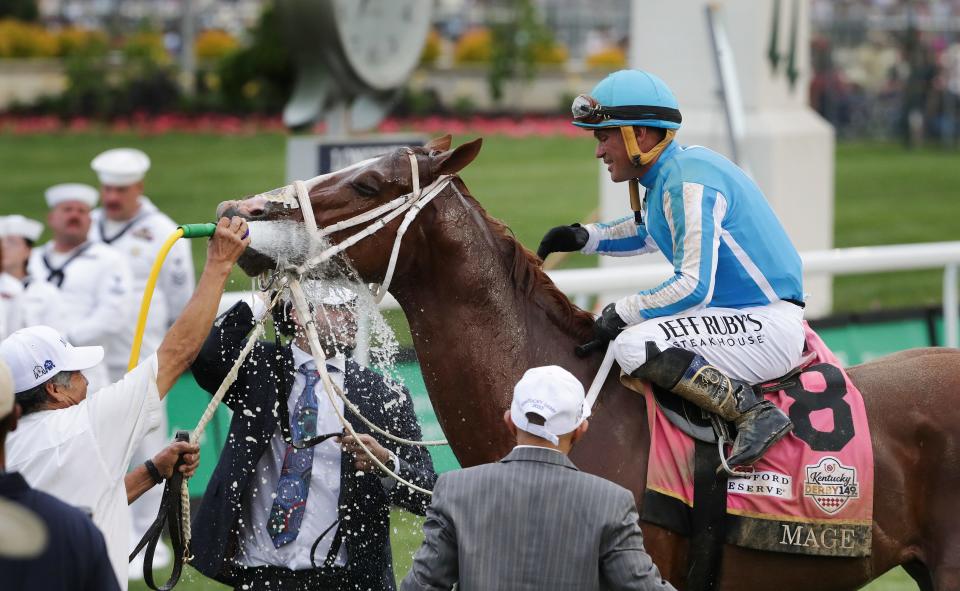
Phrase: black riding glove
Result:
[563,239]
[608,324]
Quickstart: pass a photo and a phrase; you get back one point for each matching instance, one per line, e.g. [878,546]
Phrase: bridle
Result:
[412,203]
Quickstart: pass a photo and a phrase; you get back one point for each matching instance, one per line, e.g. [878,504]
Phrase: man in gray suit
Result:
[533,521]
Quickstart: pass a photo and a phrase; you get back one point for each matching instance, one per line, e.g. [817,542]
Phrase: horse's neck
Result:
[474,331]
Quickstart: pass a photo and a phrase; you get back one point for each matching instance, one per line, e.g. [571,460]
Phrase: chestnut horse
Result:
[481,312]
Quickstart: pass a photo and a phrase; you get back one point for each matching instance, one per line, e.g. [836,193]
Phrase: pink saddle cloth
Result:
[811,493]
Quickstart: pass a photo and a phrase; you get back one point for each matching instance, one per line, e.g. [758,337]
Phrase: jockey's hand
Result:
[608,324]
[563,239]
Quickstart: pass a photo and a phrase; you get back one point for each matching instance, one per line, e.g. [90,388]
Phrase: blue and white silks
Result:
[711,221]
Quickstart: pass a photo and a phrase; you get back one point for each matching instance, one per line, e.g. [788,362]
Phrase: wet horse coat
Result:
[481,312]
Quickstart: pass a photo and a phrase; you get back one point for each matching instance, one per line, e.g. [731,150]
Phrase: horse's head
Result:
[341,196]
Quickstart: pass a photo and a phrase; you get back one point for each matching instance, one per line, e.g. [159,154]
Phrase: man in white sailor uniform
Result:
[25,302]
[129,222]
[95,284]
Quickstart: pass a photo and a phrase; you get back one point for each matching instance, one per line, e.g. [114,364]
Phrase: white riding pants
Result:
[749,344]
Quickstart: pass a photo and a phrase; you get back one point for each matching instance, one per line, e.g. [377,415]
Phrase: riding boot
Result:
[759,423]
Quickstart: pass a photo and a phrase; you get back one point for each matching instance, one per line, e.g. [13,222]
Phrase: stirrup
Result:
[723,438]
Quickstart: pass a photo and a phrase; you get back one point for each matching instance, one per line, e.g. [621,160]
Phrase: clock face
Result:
[382,39]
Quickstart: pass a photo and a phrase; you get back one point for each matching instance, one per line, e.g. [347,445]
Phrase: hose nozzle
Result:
[198,230]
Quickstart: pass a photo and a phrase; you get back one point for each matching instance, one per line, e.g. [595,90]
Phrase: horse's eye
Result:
[366,188]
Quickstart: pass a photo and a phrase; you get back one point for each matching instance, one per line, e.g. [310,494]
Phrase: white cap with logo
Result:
[63,192]
[37,353]
[17,225]
[554,394]
[121,167]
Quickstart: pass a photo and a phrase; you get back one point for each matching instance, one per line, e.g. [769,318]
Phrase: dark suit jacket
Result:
[531,521]
[364,503]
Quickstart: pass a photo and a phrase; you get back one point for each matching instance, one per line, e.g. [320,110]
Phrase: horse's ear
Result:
[455,160]
[439,144]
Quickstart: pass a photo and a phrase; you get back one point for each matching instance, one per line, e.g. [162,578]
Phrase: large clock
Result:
[352,53]
[380,41]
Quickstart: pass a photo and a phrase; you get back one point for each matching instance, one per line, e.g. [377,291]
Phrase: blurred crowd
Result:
[888,69]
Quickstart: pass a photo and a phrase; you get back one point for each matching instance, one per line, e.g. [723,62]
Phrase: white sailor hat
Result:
[58,194]
[121,167]
[17,225]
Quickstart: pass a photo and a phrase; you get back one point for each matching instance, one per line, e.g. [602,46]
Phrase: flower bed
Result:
[233,125]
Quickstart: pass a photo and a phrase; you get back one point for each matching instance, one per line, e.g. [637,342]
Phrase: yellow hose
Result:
[148,295]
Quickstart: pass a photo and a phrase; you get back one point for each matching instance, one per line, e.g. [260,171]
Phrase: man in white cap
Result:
[304,508]
[70,551]
[95,283]
[26,302]
[78,447]
[128,221]
[532,494]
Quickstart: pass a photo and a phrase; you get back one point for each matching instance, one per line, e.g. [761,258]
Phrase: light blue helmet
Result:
[628,97]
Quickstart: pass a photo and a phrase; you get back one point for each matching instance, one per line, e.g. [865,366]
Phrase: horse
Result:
[482,311]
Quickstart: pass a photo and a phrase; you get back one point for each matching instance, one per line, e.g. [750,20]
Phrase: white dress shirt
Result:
[139,240]
[256,546]
[80,454]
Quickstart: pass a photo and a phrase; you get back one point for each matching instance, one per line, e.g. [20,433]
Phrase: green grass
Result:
[887,195]
[884,195]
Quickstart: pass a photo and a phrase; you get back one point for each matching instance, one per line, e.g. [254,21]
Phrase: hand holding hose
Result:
[229,241]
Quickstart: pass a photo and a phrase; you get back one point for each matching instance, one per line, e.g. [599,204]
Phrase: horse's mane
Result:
[531,280]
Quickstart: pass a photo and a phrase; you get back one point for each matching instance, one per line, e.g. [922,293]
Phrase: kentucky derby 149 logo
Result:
[831,484]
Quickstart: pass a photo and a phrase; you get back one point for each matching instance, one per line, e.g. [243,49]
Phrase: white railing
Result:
[578,283]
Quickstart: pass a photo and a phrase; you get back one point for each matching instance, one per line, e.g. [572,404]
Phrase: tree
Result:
[519,41]
[23,10]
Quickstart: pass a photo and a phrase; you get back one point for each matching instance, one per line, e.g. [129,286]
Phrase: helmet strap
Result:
[638,157]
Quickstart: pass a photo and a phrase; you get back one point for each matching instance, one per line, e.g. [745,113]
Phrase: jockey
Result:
[732,313]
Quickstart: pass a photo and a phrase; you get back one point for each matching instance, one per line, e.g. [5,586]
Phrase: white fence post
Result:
[950,305]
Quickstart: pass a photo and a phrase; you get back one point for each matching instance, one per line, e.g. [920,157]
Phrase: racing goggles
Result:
[586,109]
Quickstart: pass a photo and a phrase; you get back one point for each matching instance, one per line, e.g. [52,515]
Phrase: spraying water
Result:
[285,241]
[289,243]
